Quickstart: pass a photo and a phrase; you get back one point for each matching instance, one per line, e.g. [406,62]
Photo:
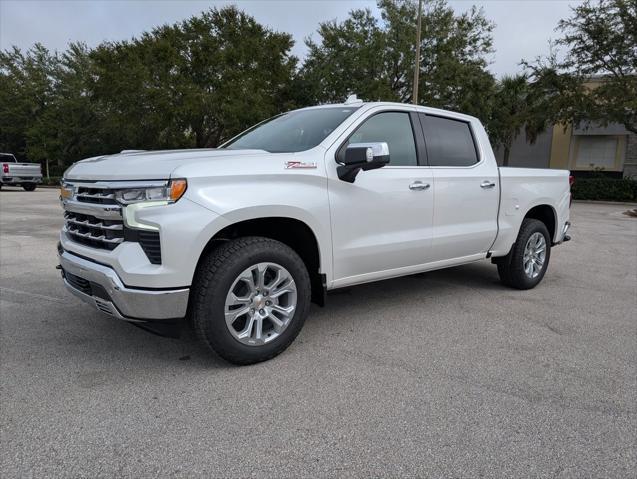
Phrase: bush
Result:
[51,180]
[604,189]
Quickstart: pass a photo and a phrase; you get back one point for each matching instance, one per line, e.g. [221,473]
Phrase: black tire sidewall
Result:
[518,276]
[211,312]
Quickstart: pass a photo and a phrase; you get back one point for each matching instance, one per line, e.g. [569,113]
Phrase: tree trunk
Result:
[505,159]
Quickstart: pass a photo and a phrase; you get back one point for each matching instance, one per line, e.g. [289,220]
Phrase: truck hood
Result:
[147,165]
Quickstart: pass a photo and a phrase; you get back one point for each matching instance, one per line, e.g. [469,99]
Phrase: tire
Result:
[511,268]
[221,272]
[29,186]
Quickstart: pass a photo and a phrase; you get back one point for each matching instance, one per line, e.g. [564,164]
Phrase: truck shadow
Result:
[186,353]
[418,287]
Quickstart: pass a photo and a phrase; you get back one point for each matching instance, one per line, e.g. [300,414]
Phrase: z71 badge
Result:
[299,164]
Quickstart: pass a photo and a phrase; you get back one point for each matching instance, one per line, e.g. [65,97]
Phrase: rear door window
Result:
[449,142]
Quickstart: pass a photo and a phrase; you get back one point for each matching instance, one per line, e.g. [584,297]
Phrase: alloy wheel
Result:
[260,304]
[534,255]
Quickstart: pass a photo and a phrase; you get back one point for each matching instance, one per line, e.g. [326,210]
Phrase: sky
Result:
[523,27]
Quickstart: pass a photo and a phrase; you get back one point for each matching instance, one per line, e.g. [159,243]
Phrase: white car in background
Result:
[242,238]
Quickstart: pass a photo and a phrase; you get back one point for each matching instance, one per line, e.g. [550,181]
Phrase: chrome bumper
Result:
[107,293]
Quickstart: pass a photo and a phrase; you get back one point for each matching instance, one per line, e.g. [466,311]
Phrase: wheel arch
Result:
[290,231]
[547,215]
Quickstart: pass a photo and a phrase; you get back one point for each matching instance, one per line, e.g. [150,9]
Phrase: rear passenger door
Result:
[466,189]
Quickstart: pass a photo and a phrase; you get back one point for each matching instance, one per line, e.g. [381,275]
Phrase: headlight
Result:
[169,193]
[66,191]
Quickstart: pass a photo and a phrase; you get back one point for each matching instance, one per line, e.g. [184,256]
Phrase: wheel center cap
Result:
[258,302]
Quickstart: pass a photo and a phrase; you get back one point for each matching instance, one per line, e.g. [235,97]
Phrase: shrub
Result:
[51,180]
[604,189]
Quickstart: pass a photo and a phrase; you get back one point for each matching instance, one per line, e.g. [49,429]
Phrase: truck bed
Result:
[522,189]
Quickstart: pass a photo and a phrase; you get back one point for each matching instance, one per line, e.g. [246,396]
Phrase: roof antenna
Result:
[351,99]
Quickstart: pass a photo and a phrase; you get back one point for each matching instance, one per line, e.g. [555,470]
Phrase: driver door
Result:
[382,222]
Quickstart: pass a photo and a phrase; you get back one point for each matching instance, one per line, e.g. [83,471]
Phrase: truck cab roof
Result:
[366,105]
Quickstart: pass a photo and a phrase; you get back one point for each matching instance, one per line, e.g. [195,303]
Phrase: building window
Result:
[596,152]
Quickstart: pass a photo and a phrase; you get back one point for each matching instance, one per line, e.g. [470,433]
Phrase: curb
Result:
[612,203]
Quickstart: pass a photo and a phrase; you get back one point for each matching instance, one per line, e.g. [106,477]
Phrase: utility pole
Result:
[414,96]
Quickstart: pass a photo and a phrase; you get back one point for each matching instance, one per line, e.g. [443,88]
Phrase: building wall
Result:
[630,163]
[560,146]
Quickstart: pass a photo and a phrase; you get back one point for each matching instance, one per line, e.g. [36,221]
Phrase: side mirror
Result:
[362,156]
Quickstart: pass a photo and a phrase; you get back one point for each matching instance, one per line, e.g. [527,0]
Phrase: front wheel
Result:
[525,265]
[250,298]
[29,186]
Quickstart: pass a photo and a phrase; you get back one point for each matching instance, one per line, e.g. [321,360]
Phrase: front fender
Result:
[241,198]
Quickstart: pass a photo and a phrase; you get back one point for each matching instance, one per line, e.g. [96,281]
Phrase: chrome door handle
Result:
[487,184]
[418,186]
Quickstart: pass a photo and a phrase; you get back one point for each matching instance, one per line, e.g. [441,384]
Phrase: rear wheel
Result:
[250,299]
[29,186]
[525,265]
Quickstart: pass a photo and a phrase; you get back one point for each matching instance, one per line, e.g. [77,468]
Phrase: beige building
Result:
[584,149]
[611,150]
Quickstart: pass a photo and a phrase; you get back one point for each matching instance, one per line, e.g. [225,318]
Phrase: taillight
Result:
[571,180]
[5,167]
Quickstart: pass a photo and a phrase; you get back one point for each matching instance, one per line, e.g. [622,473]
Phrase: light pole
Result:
[414,96]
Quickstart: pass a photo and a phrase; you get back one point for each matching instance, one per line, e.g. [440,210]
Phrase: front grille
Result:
[78,283]
[93,217]
[93,231]
[89,194]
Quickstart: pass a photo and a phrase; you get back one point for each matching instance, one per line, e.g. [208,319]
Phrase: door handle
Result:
[487,184]
[418,186]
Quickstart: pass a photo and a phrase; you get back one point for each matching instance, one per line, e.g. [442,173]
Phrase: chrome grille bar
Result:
[71,220]
[99,196]
[90,236]
[105,212]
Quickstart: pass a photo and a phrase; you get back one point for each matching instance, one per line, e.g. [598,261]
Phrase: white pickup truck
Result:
[26,175]
[240,239]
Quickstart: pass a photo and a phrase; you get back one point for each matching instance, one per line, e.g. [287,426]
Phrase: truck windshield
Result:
[294,131]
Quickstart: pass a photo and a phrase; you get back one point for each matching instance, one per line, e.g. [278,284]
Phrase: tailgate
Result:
[23,169]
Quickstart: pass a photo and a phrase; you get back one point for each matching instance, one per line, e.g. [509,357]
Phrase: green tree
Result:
[27,88]
[194,83]
[510,112]
[67,130]
[375,57]
[190,84]
[600,39]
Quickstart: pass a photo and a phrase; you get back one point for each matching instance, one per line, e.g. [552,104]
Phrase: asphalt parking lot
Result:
[445,374]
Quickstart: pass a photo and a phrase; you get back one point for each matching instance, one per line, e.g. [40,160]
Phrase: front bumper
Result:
[101,287]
